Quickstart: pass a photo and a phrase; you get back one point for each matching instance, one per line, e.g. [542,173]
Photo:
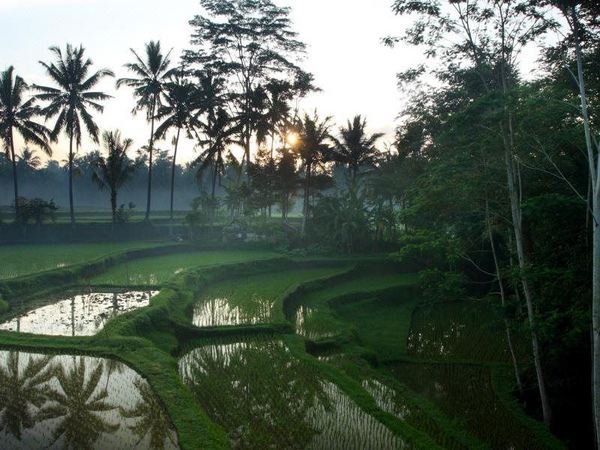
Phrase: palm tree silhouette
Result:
[71,100]
[152,74]
[112,172]
[28,160]
[16,114]
[313,148]
[22,389]
[152,419]
[178,113]
[78,406]
[355,148]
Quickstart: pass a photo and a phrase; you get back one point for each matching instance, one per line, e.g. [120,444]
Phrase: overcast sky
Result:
[356,73]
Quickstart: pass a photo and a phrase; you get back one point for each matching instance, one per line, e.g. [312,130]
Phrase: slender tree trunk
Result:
[594,167]
[15,182]
[113,205]
[515,204]
[150,151]
[502,299]
[173,172]
[214,181]
[71,209]
[306,207]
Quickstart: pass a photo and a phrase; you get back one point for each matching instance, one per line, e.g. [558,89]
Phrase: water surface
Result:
[81,314]
[80,402]
[265,398]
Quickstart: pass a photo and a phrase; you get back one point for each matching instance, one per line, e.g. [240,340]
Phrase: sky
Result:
[354,70]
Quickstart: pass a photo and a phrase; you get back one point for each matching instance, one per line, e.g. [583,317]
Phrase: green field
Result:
[156,270]
[18,260]
[314,316]
[253,299]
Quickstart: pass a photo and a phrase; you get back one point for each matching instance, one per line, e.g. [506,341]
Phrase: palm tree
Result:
[313,148]
[21,388]
[355,148]
[77,405]
[152,419]
[218,135]
[16,114]
[72,99]
[178,113]
[28,160]
[152,74]
[112,172]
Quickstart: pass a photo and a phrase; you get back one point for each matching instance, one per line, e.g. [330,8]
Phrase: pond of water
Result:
[220,311]
[79,402]
[266,398]
[82,314]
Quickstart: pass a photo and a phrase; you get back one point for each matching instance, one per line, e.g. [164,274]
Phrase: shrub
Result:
[4,306]
[441,286]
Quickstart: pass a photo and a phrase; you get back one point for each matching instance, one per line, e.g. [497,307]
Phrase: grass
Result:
[20,260]
[382,321]
[157,270]
[316,318]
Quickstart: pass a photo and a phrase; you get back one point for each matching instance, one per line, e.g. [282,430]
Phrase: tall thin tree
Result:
[72,99]
[114,170]
[16,115]
[152,72]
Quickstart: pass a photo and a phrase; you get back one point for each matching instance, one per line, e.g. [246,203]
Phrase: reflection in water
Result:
[466,393]
[265,398]
[75,402]
[461,330]
[78,315]
[220,311]
[307,326]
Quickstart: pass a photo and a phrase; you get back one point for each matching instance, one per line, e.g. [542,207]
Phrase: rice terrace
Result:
[285,224]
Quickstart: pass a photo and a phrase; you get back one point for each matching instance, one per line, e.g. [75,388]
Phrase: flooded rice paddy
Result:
[467,330]
[465,393]
[82,314]
[266,398]
[79,402]
[251,300]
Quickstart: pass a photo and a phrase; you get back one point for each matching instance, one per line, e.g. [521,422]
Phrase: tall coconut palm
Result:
[112,172]
[177,113]
[28,160]
[313,148]
[151,73]
[72,99]
[16,114]
[218,133]
[355,148]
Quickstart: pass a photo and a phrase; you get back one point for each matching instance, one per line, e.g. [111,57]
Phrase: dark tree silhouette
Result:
[114,170]
[16,114]
[72,99]
[151,74]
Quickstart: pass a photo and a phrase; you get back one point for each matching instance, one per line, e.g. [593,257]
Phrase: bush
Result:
[441,286]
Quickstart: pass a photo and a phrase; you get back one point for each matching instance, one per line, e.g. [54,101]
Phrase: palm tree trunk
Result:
[214,180]
[150,151]
[71,209]
[173,171]
[306,200]
[15,182]
[113,205]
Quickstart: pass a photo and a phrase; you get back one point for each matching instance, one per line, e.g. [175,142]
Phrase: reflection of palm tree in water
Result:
[152,419]
[257,391]
[78,406]
[20,390]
